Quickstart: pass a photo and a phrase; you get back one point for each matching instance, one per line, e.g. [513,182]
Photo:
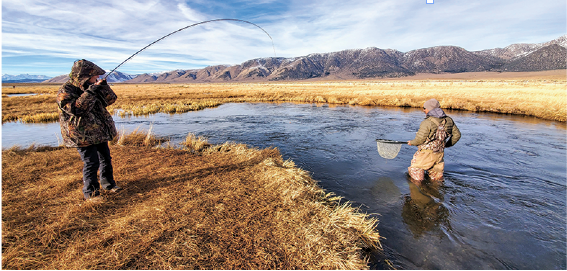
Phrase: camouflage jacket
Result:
[83,116]
[428,128]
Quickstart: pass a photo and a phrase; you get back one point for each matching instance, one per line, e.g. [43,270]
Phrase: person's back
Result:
[431,139]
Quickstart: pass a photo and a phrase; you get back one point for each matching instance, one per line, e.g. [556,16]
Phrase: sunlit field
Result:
[541,98]
[202,206]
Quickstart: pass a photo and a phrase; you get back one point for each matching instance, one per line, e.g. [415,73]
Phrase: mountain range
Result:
[113,78]
[6,78]
[371,62]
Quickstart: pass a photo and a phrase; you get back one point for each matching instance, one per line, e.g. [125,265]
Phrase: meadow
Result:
[543,97]
[202,206]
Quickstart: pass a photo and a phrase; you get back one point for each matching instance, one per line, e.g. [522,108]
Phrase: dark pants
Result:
[95,158]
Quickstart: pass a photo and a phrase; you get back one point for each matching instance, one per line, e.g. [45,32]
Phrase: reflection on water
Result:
[423,210]
[385,191]
[502,205]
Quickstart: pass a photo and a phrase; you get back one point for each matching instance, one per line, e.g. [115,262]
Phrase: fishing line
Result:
[189,26]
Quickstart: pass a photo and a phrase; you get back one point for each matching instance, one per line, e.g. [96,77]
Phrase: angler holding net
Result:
[436,132]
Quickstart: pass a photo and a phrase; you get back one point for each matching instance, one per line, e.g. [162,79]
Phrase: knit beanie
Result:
[431,104]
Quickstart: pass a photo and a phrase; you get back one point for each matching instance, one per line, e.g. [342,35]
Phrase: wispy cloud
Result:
[46,36]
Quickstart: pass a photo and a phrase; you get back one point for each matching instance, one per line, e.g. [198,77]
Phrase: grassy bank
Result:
[197,207]
[541,98]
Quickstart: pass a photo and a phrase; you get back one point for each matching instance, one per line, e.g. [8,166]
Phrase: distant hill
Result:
[23,78]
[519,50]
[24,81]
[58,79]
[373,63]
[449,59]
[113,78]
[551,57]
[119,77]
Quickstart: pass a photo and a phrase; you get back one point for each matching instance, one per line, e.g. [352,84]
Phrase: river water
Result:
[502,205]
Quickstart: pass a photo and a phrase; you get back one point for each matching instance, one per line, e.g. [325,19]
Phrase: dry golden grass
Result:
[30,108]
[138,138]
[216,207]
[544,98]
[195,144]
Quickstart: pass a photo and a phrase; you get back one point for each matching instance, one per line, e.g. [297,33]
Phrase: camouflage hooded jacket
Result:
[83,116]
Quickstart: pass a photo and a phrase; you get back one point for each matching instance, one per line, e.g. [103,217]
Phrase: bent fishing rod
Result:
[189,26]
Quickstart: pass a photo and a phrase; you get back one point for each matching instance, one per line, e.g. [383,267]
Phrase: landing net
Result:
[388,149]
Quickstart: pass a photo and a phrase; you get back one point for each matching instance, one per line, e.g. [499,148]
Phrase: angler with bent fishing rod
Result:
[436,132]
[87,125]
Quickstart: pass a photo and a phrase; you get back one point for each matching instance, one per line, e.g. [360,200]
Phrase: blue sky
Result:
[44,37]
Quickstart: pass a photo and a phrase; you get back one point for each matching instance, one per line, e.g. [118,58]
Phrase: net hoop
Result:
[387,141]
[389,149]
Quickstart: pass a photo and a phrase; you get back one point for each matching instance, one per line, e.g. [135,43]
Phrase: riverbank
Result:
[200,207]
[541,95]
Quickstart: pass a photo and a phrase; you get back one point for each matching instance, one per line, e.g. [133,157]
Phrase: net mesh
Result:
[388,150]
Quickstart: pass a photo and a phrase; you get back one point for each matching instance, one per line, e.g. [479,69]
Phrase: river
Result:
[502,205]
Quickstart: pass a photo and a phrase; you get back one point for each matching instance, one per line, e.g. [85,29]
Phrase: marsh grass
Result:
[223,206]
[40,117]
[195,144]
[542,98]
[142,109]
[39,108]
[138,138]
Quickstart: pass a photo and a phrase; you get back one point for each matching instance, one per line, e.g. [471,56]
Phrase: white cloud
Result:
[190,14]
[110,31]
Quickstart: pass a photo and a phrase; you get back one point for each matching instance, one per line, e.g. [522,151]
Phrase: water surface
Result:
[21,94]
[502,205]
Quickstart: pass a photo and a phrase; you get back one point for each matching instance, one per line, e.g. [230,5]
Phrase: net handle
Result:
[387,141]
